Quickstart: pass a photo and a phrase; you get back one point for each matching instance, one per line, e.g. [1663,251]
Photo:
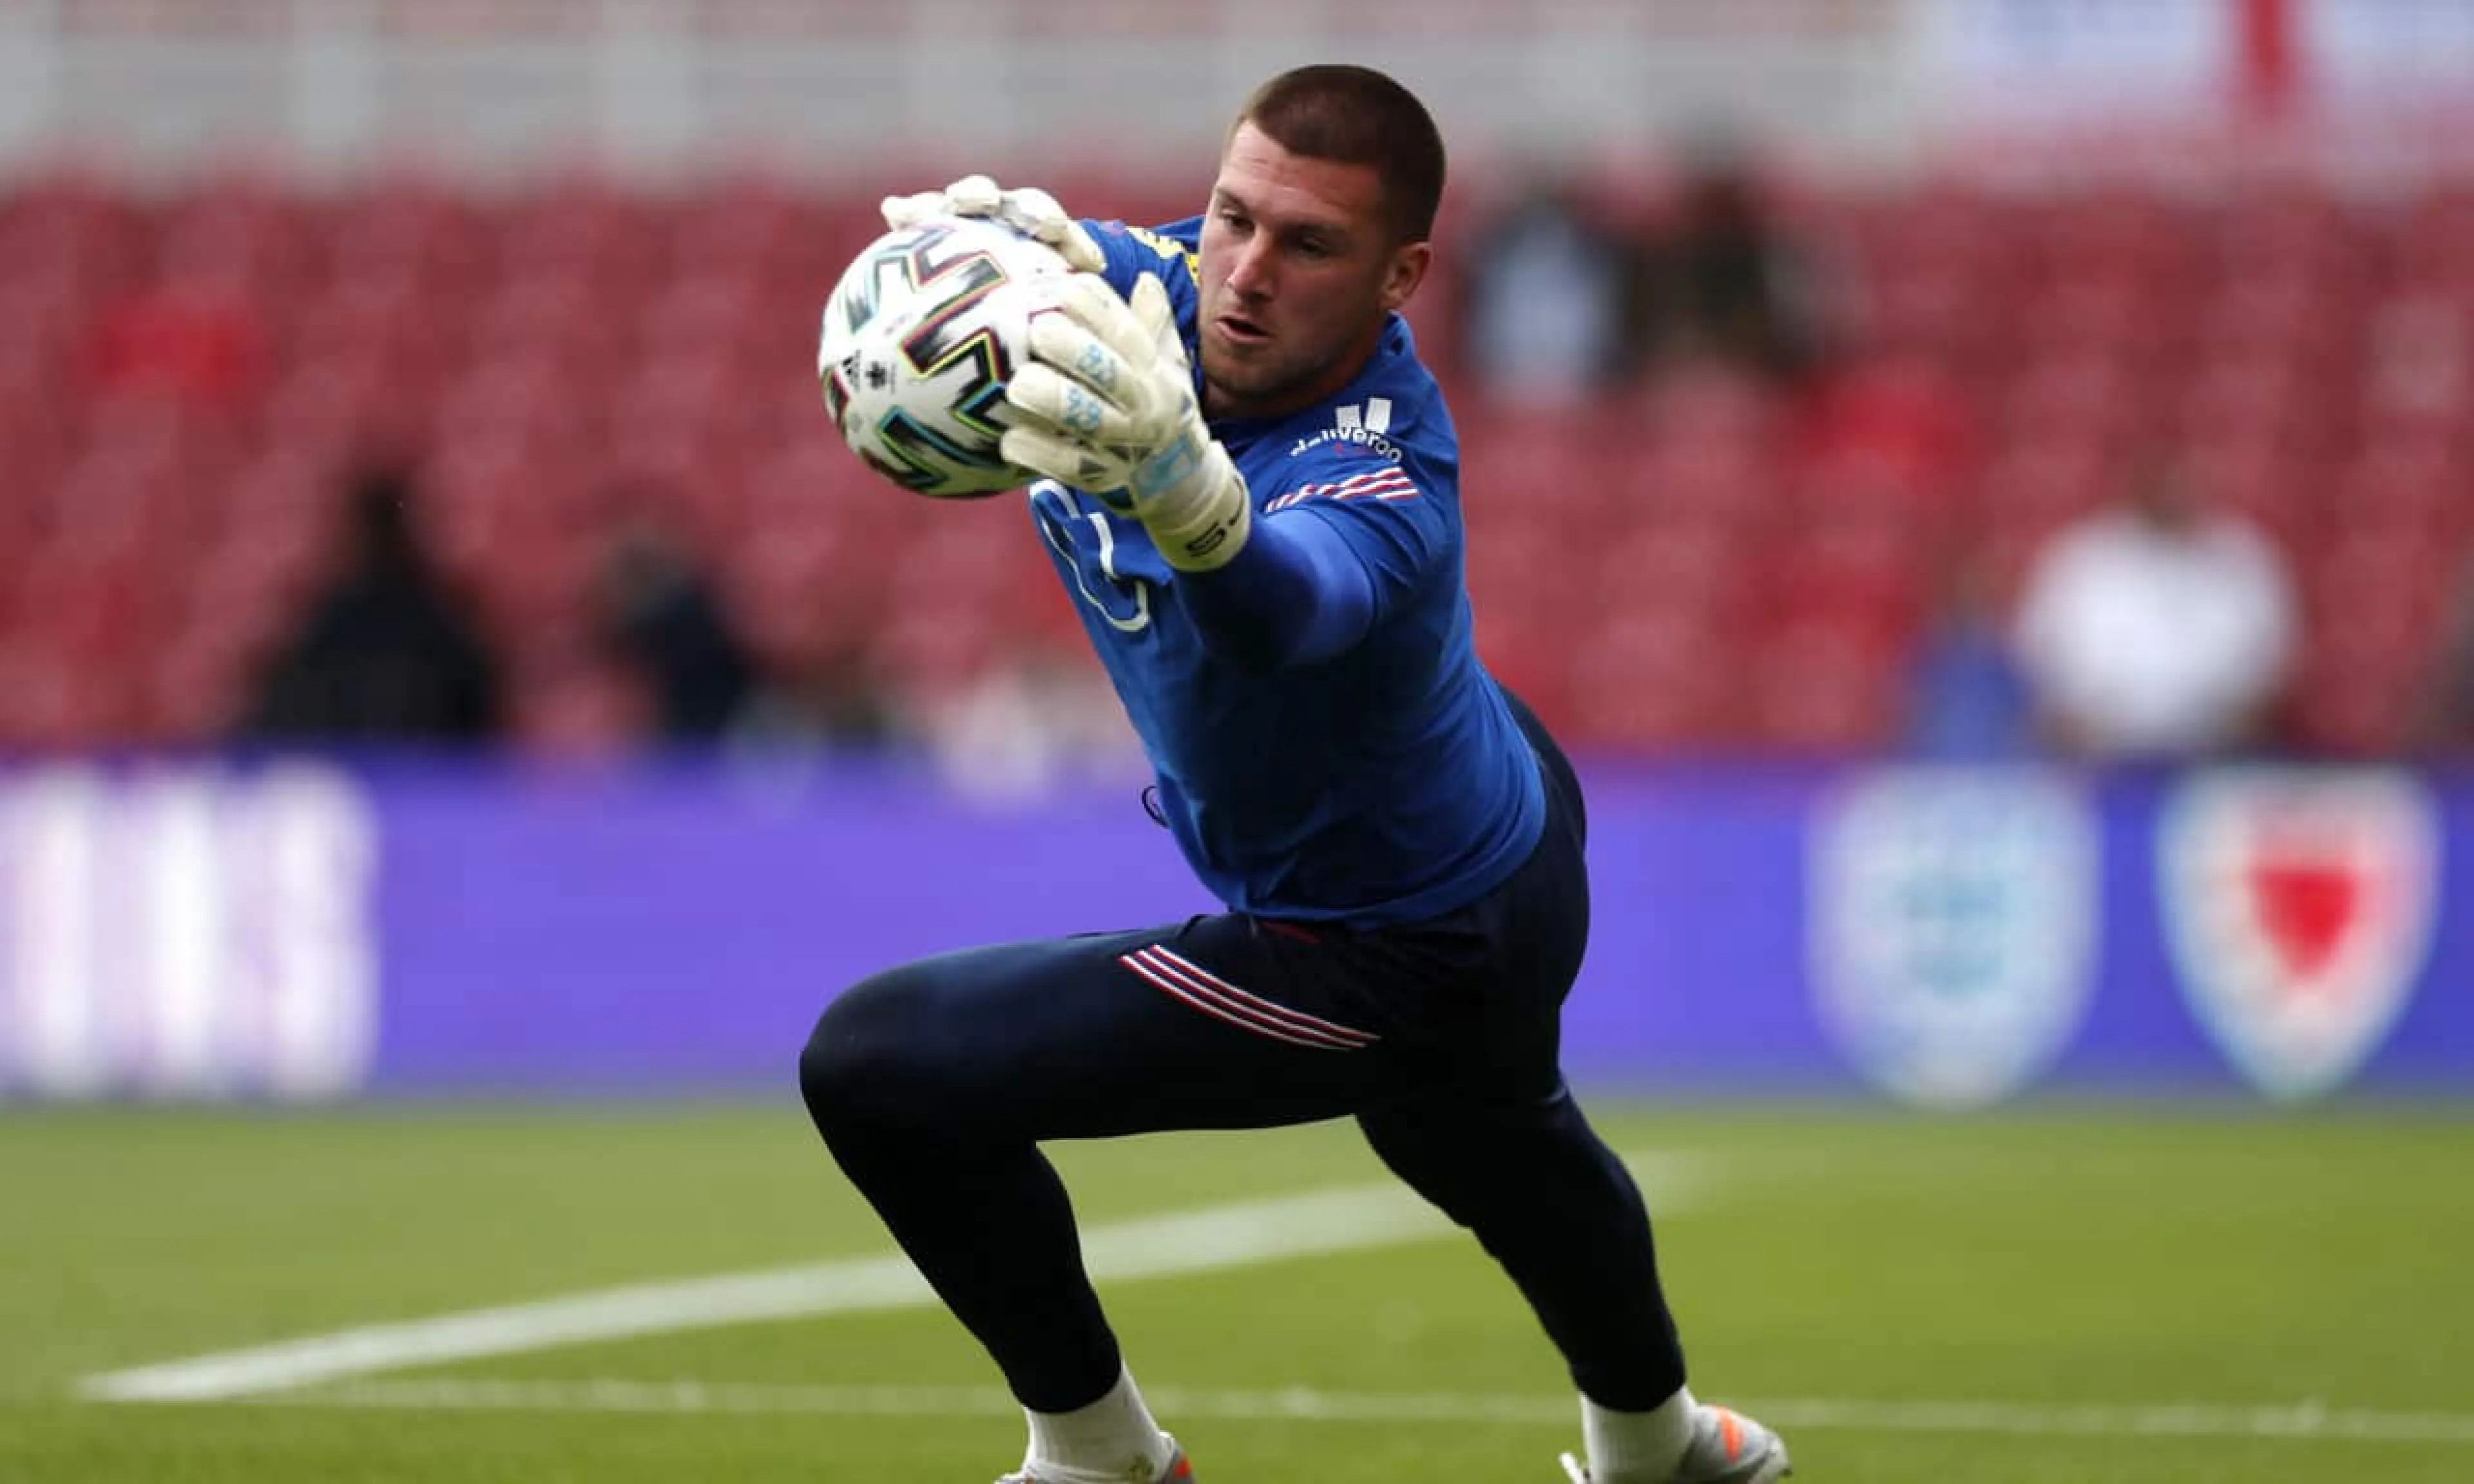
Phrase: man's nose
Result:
[1250,275]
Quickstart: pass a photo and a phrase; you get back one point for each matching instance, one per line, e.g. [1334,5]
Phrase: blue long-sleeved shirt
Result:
[1326,743]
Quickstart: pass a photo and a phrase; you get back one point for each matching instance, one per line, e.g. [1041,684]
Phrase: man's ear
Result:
[1407,270]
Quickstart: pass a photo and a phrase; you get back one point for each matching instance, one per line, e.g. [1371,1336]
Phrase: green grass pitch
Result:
[2064,1293]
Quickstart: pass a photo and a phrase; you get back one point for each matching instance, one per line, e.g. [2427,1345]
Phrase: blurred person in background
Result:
[2444,711]
[1035,719]
[1967,698]
[827,702]
[1727,284]
[1549,308]
[385,652]
[2157,629]
[662,616]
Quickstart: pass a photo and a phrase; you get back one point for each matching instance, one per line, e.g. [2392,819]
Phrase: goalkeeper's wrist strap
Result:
[1200,521]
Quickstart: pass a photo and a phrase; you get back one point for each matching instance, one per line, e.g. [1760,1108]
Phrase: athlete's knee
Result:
[1422,1146]
[1470,1157]
[862,1066]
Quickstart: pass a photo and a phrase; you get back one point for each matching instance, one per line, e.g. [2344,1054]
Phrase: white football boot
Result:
[1178,1471]
[1727,1447]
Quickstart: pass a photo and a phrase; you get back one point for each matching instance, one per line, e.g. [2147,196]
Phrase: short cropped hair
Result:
[1356,115]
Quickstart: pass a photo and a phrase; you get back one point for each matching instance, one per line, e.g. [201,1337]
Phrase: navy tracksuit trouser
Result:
[935,1083]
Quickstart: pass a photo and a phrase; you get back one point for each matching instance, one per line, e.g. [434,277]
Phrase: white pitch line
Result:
[2304,1420]
[1208,1239]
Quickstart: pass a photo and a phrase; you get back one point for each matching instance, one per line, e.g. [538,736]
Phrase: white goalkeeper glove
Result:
[1106,398]
[1030,211]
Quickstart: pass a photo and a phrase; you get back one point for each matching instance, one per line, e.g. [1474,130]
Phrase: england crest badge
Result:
[1952,925]
[2297,908]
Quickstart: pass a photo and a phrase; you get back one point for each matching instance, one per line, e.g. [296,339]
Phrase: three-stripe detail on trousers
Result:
[1184,980]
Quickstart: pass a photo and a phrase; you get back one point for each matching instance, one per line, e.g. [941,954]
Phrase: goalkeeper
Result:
[1267,557]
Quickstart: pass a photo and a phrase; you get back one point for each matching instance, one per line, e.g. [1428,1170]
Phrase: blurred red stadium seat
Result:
[738,225]
[2091,396]
[578,707]
[1652,680]
[1703,564]
[1824,687]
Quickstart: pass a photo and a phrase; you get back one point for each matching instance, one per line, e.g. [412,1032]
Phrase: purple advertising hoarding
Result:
[1949,938]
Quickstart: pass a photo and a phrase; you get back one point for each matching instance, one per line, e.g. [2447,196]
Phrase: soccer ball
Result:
[918,338]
